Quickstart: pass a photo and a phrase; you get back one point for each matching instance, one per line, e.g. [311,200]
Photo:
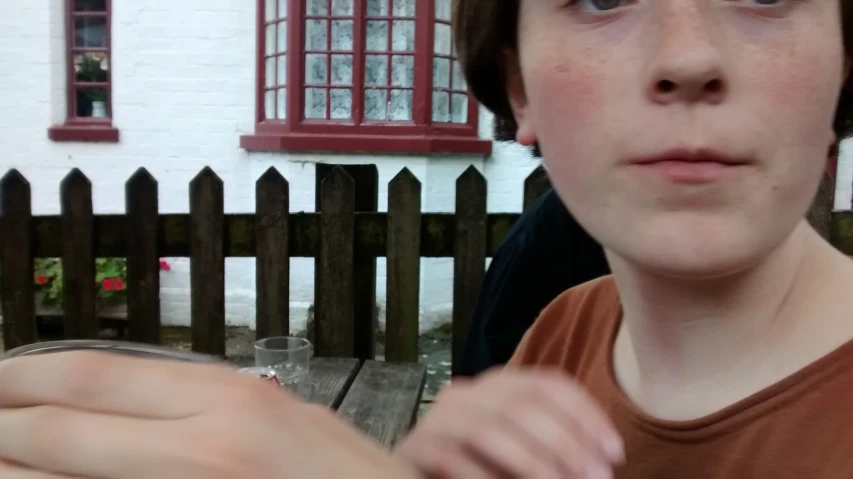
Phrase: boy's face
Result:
[688,136]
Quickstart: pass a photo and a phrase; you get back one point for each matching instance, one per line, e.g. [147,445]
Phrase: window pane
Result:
[91,103]
[269,105]
[318,7]
[282,104]
[90,5]
[282,37]
[341,69]
[377,36]
[342,7]
[441,44]
[458,77]
[377,7]
[316,37]
[404,8]
[270,10]
[401,105]
[270,46]
[440,107]
[90,32]
[402,70]
[376,70]
[440,73]
[341,104]
[282,70]
[375,103]
[91,67]
[404,36]
[269,73]
[342,35]
[315,103]
[442,10]
[459,108]
[282,8]
[315,68]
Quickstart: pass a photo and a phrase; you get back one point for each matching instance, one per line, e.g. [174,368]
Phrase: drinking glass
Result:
[288,356]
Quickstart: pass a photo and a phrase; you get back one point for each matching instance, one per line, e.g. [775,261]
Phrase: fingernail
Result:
[615,449]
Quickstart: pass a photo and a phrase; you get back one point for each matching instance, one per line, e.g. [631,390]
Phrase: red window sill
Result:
[364,143]
[94,133]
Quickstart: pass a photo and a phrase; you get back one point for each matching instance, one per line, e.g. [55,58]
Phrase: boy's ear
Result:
[517,97]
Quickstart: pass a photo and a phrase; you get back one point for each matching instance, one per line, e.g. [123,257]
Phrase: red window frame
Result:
[296,133]
[85,128]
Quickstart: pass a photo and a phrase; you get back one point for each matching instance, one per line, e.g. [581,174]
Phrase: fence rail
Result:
[341,239]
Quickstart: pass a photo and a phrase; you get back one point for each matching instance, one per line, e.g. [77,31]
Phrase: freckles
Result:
[565,94]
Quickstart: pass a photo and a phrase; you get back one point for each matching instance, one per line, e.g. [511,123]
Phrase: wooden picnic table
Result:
[380,398]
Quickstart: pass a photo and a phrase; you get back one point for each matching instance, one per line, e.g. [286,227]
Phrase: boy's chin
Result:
[694,263]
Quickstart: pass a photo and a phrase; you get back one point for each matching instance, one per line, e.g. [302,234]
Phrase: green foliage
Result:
[110,279]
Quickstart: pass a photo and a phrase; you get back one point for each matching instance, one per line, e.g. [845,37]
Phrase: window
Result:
[361,75]
[88,79]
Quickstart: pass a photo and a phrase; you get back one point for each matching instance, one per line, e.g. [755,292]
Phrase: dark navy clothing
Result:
[545,253]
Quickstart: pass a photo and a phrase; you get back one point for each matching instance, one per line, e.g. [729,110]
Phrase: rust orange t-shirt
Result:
[800,427]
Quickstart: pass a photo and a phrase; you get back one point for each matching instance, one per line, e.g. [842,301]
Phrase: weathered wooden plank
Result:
[303,238]
[537,182]
[383,400]
[469,259]
[334,301]
[330,379]
[366,178]
[16,262]
[207,264]
[78,257]
[272,264]
[404,268]
[143,265]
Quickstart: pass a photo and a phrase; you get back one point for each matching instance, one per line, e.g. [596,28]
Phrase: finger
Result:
[113,384]
[578,409]
[439,459]
[11,471]
[573,453]
[80,443]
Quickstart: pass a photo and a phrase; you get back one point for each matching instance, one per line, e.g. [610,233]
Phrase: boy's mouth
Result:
[690,166]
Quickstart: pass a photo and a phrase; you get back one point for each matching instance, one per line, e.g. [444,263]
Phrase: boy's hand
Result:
[514,424]
[94,415]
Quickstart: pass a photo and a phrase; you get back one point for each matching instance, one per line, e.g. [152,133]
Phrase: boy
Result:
[688,137]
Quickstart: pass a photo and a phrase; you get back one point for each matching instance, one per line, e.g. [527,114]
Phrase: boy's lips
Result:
[690,166]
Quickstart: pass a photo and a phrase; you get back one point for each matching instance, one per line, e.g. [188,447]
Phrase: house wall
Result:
[183,93]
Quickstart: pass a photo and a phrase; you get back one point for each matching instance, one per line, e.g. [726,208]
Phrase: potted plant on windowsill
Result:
[92,67]
[98,97]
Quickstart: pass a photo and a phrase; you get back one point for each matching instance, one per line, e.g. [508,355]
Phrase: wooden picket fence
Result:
[343,241]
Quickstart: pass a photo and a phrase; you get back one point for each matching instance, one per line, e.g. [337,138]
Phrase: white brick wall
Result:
[183,93]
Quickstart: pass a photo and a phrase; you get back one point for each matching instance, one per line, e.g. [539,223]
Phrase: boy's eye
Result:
[592,6]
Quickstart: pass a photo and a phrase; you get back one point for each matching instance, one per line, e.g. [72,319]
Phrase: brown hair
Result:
[483,29]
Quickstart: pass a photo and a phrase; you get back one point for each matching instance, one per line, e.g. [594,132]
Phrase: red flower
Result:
[108,284]
[118,284]
[164,265]
[41,279]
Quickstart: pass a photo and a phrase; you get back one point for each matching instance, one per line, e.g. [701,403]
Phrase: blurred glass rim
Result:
[120,347]
[294,344]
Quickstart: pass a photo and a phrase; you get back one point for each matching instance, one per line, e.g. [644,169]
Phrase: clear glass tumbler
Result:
[288,356]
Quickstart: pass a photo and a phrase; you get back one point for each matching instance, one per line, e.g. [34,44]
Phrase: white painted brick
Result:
[183,93]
